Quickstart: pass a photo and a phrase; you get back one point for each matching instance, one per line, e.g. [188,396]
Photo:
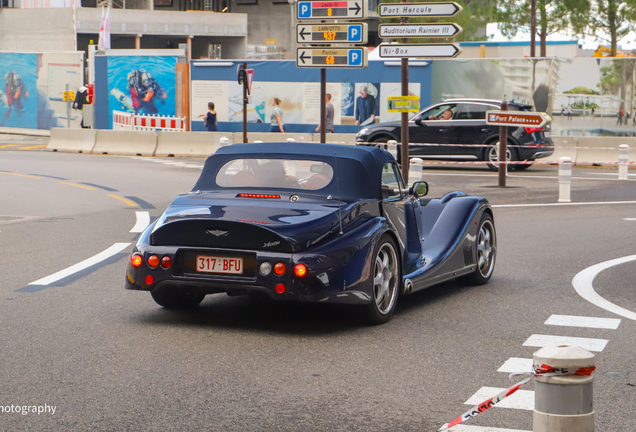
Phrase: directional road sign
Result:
[419,30]
[331,57]
[332,33]
[434,9]
[516,118]
[312,10]
[418,50]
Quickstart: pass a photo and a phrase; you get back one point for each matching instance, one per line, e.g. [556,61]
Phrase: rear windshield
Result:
[275,174]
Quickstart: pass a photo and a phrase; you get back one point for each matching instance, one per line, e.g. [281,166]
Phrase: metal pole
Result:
[533,27]
[244,102]
[503,146]
[323,105]
[404,159]
[68,108]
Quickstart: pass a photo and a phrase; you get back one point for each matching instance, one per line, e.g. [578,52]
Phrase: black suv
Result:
[463,121]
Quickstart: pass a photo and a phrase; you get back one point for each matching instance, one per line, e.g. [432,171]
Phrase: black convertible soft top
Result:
[358,169]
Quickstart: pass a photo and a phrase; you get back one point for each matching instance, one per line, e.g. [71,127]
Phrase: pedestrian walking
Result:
[277,117]
[329,115]
[569,112]
[209,120]
[620,115]
[80,101]
[634,119]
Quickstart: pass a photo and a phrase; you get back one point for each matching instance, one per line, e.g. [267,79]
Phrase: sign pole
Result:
[323,105]
[404,154]
[503,147]
[245,102]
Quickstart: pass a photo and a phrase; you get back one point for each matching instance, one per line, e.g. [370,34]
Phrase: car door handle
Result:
[443,130]
[485,130]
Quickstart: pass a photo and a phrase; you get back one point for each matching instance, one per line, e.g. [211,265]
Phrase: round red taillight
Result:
[136,260]
[280,288]
[149,280]
[280,268]
[166,262]
[153,261]
[300,270]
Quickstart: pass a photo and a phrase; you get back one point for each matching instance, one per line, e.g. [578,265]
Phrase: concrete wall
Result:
[36,30]
[268,21]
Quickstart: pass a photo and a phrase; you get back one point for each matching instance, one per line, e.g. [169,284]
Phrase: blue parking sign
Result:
[355,33]
[355,57]
[304,10]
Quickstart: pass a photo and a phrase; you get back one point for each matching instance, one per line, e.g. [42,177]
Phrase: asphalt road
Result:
[110,359]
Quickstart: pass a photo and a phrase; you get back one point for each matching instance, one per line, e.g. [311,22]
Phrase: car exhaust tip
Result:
[408,286]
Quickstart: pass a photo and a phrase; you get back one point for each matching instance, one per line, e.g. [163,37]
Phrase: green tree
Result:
[553,16]
[581,90]
[473,20]
[615,17]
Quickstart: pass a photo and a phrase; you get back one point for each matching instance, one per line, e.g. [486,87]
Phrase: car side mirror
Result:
[418,121]
[419,189]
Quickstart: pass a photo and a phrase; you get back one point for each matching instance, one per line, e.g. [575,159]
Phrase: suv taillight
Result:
[530,130]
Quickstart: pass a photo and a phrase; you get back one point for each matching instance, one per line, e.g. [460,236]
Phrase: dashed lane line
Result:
[583,321]
[583,280]
[34,147]
[516,364]
[596,345]
[96,259]
[143,220]
[21,175]
[563,204]
[521,399]
[467,428]
[128,202]
[8,145]
[77,185]
[629,219]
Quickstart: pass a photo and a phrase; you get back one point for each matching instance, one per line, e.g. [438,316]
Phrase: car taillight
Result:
[153,261]
[280,268]
[166,262]
[300,270]
[149,280]
[245,195]
[533,129]
[136,260]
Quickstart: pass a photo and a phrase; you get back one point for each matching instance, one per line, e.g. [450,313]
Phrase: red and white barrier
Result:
[139,122]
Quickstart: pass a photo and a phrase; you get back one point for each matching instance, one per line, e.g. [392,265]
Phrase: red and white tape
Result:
[472,145]
[542,370]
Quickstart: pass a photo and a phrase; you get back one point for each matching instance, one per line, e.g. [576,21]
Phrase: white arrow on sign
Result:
[433,9]
[419,30]
[418,50]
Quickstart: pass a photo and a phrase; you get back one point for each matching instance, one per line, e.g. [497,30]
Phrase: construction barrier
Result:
[564,146]
[146,122]
[337,138]
[602,149]
[272,137]
[191,144]
[123,142]
[71,140]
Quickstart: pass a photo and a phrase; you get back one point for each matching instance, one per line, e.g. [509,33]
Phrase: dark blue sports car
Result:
[311,223]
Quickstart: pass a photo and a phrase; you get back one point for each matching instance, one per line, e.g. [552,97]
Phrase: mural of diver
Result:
[15,92]
[144,90]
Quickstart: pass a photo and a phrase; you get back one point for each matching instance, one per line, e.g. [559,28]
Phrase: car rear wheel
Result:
[172,298]
[492,156]
[486,252]
[387,280]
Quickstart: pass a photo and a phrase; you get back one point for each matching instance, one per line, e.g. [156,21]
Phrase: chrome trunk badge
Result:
[217,233]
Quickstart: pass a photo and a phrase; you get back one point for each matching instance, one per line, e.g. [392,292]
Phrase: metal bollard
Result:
[392,148]
[565,178]
[415,170]
[623,158]
[224,141]
[563,403]
[291,140]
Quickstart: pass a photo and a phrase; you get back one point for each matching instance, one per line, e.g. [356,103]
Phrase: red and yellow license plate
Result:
[214,264]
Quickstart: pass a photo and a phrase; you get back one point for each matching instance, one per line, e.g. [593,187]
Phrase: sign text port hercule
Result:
[432,9]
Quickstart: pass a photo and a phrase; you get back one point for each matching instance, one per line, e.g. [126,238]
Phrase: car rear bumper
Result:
[533,152]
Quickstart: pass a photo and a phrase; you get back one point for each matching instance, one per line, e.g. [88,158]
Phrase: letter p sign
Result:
[355,33]
[304,10]
[355,57]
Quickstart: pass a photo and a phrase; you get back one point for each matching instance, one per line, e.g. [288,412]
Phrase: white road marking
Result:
[193,166]
[521,399]
[582,283]
[583,321]
[143,220]
[113,250]
[173,163]
[629,219]
[516,364]
[563,204]
[467,428]
[589,344]
[610,174]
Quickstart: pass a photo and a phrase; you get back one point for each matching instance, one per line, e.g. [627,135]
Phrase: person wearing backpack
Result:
[209,118]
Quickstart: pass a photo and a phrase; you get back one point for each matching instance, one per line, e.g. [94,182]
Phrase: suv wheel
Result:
[492,156]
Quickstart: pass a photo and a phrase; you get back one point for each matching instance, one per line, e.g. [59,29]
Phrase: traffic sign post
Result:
[324,10]
[332,33]
[517,118]
[331,57]
[448,50]
[418,30]
[433,9]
